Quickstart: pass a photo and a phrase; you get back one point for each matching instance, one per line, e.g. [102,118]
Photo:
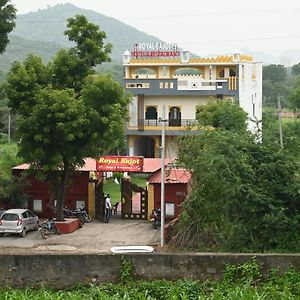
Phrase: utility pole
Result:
[9,124]
[162,185]
[280,122]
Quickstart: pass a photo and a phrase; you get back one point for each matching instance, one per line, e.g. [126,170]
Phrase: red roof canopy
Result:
[172,176]
[151,165]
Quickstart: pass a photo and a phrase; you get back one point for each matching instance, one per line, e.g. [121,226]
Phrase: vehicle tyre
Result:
[44,232]
[81,220]
[87,218]
[23,233]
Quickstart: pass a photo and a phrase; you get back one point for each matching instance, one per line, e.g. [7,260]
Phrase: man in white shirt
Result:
[107,211]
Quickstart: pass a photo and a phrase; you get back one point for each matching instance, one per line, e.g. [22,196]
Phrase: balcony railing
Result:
[142,123]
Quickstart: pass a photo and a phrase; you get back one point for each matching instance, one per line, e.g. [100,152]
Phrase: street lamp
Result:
[162,185]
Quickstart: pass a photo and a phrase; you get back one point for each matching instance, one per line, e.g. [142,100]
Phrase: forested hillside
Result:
[18,48]
[49,25]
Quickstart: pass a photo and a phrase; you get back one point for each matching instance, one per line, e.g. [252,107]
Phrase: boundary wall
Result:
[67,269]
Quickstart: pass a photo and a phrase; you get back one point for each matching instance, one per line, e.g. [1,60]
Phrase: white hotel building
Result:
[160,77]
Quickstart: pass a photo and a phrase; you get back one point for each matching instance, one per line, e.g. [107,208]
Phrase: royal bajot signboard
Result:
[155,50]
[120,163]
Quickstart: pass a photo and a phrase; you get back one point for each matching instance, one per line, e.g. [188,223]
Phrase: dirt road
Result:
[92,237]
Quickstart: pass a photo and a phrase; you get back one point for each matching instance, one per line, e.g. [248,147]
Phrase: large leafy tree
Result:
[245,194]
[275,73]
[296,69]
[222,114]
[67,111]
[7,22]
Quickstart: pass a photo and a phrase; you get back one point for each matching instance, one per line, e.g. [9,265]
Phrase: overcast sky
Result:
[202,27]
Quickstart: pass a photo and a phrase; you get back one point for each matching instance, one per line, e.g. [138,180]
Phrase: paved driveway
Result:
[92,237]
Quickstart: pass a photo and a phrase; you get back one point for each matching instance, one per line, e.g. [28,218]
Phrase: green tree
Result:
[245,195]
[11,189]
[70,67]
[7,22]
[222,114]
[67,116]
[296,69]
[294,95]
[275,73]
[273,90]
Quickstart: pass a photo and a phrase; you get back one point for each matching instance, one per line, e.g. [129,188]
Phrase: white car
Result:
[18,221]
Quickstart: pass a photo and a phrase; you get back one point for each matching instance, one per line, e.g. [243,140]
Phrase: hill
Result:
[49,24]
[18,48]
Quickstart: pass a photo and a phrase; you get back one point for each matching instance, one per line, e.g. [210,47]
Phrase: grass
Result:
[110,187]
[114,189]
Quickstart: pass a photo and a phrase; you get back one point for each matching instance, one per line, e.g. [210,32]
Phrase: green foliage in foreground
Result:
[10,187]
[240,282]
[245,191]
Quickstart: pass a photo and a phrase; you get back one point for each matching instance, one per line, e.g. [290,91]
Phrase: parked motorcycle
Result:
[49,227]
[80,214]
[155,217]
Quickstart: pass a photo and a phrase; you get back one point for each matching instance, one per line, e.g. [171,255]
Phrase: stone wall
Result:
[66,270]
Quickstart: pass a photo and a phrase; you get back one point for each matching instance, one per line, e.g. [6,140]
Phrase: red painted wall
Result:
[40,190]
[170,195]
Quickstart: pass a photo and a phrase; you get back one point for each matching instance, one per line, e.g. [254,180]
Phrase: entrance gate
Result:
[127,189]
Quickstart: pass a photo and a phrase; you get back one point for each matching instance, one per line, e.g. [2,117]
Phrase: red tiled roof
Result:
[151,165]
[172,176]
[90,165]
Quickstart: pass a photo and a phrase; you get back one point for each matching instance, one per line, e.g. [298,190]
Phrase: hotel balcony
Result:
[153,127]
[182,86]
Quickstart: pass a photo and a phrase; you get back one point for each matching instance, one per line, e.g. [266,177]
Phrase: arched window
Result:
[145,73]
[175,116]
[151,113]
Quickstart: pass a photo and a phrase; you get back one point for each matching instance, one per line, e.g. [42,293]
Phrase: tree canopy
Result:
[7,22]
[275,73]
[67,112]
[245,194]
[222,114]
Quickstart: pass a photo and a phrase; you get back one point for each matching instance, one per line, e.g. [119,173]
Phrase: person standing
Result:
[107,211]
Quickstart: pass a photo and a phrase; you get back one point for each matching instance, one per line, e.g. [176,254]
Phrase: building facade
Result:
[168,85]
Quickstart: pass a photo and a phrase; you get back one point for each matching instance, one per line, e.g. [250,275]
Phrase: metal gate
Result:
[127,189]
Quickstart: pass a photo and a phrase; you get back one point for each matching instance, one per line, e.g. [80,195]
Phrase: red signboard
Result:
[120,163]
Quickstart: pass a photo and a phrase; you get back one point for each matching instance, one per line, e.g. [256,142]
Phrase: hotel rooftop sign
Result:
[155,50]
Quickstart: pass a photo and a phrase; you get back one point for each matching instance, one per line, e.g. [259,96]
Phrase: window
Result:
[174,116]
[80,204]
[166,85]
[10,217]
[161,85]
[222,73]
[182,82]
[170,209]
[151,113]
[232,73]
[30,214]
[171,85]
[145,85]
[37,205]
